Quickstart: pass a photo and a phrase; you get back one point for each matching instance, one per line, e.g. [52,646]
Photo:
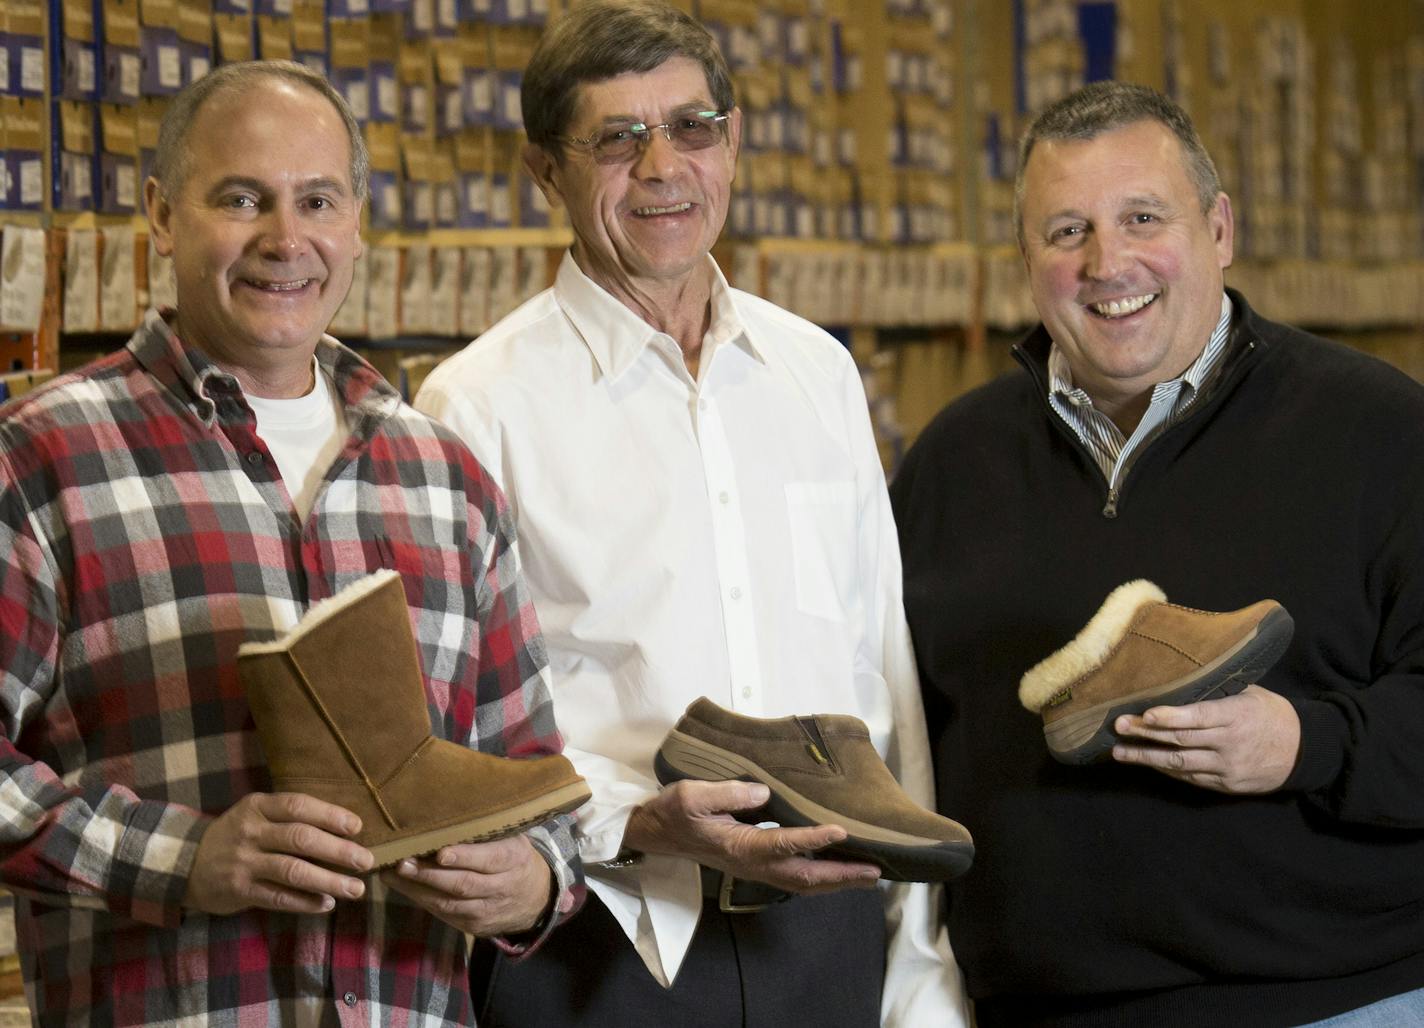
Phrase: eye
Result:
[1065,233]
[239,201]
[614,136]
[320,203]
[1142,218]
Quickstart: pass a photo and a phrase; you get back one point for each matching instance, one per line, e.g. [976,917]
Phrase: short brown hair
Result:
[170,163]
[1103,106]
[596,41]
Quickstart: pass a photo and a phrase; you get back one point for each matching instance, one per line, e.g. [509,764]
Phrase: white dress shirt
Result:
[728,536]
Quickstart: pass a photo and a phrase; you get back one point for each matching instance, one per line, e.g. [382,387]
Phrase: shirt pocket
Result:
[822,521]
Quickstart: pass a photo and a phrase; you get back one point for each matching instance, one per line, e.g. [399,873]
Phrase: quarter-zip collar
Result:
[1244,349]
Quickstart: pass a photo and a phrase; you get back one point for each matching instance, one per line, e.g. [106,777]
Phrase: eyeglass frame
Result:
[643,135]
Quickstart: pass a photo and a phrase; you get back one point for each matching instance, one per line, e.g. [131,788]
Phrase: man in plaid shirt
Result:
[200,489]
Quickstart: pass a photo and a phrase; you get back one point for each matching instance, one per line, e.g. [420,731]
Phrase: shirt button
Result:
[349,999]
[724,497]
[736,592]
[701,404]
[254,457]
[747,693]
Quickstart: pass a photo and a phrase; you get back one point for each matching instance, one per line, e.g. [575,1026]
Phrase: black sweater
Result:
[1116,895]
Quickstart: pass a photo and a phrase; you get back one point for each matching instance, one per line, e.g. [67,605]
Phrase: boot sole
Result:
[901,857]
[488,828]
[1087,736]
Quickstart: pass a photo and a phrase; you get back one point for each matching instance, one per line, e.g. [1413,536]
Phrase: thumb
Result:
[731,796]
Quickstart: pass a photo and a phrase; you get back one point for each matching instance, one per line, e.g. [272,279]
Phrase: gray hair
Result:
[170,159]
[596,41]
[1103,106]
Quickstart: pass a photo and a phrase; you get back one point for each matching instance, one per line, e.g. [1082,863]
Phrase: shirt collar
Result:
[616,336]
[192,375]
[1060,373]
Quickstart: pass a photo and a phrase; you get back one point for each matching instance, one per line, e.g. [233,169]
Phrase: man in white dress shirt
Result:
[701,511]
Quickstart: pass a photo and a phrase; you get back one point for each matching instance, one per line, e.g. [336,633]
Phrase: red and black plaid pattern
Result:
[145,534]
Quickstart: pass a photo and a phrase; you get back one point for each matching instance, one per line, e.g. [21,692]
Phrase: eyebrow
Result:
[691,105]
[1147,200]
[1156,203]
[321,184]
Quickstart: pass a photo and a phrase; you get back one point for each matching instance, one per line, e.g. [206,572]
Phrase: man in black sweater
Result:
[1253,860]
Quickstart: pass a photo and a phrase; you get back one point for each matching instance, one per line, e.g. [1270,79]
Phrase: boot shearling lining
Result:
[1090,647]
[320,611]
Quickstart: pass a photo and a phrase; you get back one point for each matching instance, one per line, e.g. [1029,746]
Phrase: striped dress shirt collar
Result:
[1111,450]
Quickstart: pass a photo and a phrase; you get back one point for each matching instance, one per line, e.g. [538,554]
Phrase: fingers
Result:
[717,797]
[807,877]
[769,843]
[292,885]
[481,888]
[296,807]
[277,851]
[456,870]
[303,826]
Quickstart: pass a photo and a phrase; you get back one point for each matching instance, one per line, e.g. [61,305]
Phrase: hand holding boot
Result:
[1244,744]
[694,819]
[483,888]
[267,850]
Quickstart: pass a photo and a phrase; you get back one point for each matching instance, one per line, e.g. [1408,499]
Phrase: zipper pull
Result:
[1110,510]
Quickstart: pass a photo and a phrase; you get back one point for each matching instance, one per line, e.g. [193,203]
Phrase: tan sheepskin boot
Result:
[822,770]
[340,707]
[1139,651]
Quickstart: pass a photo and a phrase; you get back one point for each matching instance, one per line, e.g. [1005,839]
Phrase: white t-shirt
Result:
[305,435]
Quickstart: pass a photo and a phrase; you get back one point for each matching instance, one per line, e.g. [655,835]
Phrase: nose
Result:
[1106,256]
[658,158]
[281,237]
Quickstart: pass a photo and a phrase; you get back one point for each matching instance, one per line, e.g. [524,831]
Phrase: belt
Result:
[738,895]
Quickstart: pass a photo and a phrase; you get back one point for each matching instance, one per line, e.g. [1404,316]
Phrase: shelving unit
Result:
[874,190]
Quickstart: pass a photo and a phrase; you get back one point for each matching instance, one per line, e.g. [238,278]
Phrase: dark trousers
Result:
[815,960]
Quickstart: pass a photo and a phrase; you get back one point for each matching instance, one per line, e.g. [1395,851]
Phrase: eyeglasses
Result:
[692,130]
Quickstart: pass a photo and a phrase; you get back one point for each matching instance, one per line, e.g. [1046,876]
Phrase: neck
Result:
[1125,413]
[681,309]
[275,374]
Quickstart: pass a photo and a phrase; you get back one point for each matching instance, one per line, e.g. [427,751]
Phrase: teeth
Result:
[1120,308]
[280,287]
[676,208]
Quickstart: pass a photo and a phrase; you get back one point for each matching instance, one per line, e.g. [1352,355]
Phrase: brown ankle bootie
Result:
[821,770]
[340,707]
[1139,651]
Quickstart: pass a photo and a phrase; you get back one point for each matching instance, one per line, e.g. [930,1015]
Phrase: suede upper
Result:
[853,779]
[1163,643]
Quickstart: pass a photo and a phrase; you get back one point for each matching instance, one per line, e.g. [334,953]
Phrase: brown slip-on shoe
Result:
[340,706]
[821,770]
[1139,651]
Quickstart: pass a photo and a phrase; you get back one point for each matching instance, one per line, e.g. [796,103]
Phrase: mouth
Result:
[1121,308]
[655,212]
[294,285]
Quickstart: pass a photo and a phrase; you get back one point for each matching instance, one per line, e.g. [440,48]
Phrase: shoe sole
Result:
[488,828]
[901,857]
[1087,736]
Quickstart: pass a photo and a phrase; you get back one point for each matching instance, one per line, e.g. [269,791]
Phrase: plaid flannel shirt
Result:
[145,534]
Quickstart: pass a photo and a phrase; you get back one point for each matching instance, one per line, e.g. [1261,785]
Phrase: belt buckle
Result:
[724,899]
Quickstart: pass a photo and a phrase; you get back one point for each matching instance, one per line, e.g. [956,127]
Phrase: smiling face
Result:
[644,226]
[265,228]
[1125,268]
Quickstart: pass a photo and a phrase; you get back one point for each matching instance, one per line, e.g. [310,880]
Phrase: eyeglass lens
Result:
[686,132]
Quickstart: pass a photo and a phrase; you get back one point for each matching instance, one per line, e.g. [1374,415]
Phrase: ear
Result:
[160,215]
[1223,229]
[543,169]
[734,131]
[360,243]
